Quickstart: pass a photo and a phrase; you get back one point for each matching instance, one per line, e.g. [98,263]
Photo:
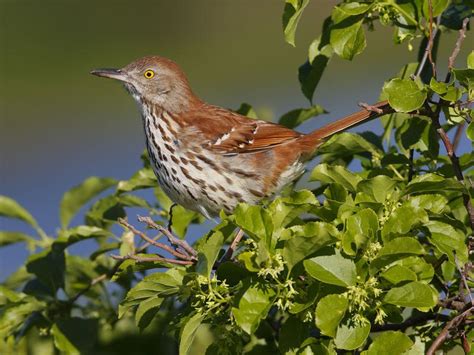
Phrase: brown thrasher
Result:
[207,158]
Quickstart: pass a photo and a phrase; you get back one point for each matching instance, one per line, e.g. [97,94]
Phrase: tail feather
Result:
[379,109]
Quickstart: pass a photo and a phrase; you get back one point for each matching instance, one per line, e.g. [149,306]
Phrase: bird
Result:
[208,158]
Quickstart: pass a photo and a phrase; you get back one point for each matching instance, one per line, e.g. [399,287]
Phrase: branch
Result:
[410,322]
[150,241]
[443,336]
[428,52]
[464,283]
[93,282]
[457,48]
[371,108]
[171,238]
[429,48]
[458,135]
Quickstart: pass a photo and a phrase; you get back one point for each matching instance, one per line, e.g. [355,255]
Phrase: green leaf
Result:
[79,195]
[293,332]
[403,220]
[14,315]
[105,212]
[286,209]
[438,87]
[448,240]
[418,133]
[435,203]
[163,199]
[291,16]
[447,92]
[49,266]
[208,252]
[256,221]
[350,337]
[398,273]
[305,300]
[347,35]
[466,79]
[7,238]
[345,146]
[389,343]
[360,227]
[146,311]
[379,187]
[414,294]
[142,179]
[347,42]
[12,209]
[470,131]
[437,6]
[181,219]
[432,183]
[303,240]
[328,174]
[9,296]
[296,117]
[394,249]
[77,234]
[311,72]
[470,60]
[75,335]
[247,110]
[404,95]
[419,266]
[253,306]
[188,332]
[328,321]
[332,269]
[402,245]
[157,285]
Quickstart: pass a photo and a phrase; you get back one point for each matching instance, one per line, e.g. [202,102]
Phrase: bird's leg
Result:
[233,246]
[170,217]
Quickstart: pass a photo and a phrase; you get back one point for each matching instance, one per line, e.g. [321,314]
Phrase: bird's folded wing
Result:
[228,133]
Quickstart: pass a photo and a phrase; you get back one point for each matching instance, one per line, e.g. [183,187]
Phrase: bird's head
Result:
[154,80]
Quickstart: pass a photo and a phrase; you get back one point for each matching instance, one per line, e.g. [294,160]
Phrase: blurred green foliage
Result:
[382,250]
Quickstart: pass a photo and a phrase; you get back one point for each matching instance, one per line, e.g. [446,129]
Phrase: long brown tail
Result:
[374,111]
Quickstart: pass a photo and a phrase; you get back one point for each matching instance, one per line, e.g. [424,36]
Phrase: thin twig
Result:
[443,336]
[464,281]
[410,322]
[457,47]
[428,53]
[370,108]
[151,241]
[143,259]
[171,238]
[431,40]
[458,135]
[91,284]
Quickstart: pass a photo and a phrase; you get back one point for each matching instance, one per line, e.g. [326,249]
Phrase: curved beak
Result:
[116,74]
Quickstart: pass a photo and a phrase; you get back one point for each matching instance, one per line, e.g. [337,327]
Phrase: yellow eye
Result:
[149,74]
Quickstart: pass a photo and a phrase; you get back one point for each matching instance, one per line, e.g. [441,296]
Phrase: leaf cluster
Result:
[374,255]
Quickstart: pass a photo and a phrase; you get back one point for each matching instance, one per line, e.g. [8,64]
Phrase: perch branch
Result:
[150,241]
[171,238]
